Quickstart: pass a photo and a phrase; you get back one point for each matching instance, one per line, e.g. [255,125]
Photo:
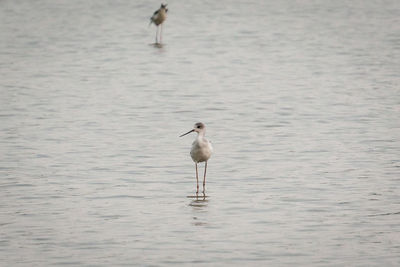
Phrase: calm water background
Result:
[301,100]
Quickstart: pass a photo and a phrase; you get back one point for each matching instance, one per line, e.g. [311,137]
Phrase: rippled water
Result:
[301,101]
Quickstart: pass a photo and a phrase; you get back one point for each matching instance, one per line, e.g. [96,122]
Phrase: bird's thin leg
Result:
[161,33]
[204,180]
[157,35]
[197,179]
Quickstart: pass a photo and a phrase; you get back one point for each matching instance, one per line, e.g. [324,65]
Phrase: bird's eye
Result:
[198,127]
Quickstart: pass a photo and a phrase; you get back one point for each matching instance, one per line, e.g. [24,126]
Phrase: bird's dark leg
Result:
[197,179]
[204,180]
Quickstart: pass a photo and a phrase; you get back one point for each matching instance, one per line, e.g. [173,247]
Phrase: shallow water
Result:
[301,101]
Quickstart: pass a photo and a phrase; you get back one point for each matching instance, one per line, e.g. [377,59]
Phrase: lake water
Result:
[301,100]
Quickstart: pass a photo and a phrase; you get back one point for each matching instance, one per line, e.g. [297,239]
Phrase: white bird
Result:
[158,18]
[201,151]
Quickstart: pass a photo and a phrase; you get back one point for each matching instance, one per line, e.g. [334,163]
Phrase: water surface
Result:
[301,101]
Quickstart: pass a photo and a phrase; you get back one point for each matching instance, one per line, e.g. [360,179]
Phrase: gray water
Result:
[301,100]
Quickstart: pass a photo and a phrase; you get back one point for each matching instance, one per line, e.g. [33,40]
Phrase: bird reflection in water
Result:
[158,45]
[200,206]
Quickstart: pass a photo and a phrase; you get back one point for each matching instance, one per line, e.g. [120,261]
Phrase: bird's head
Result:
[198,128]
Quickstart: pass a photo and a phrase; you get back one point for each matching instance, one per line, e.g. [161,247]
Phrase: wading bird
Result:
[158,18]
[201,151]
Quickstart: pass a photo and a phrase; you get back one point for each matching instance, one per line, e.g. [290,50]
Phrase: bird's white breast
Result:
[201,150]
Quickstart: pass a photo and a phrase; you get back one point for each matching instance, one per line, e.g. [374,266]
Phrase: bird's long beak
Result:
[187,133]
